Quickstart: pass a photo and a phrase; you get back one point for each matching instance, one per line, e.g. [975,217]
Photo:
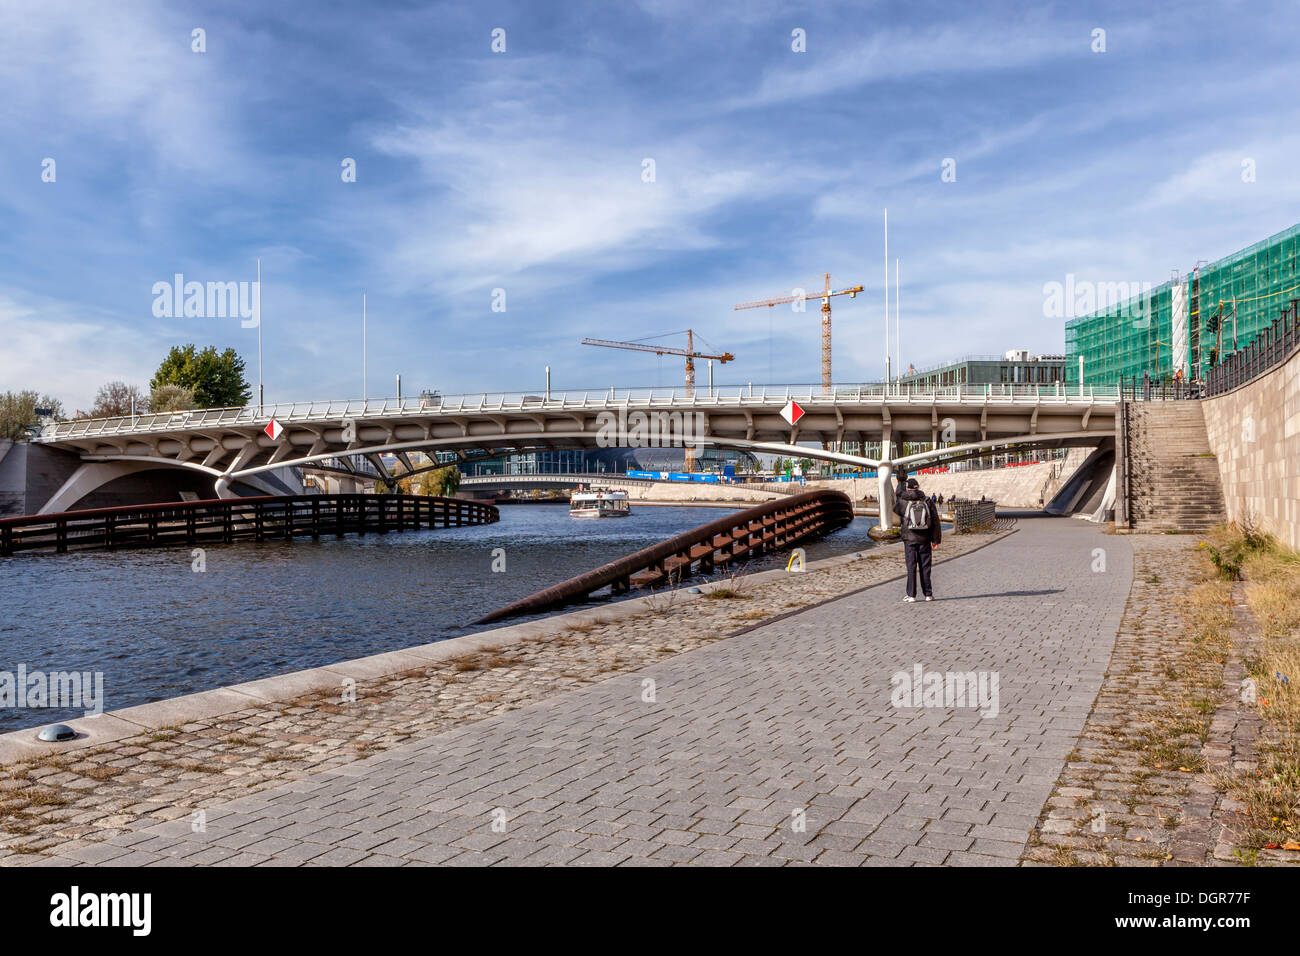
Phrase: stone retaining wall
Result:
[1255,433]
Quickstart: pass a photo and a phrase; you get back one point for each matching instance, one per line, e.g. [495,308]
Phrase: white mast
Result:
[363,347]
[886,295]
[260,394]
[898,328]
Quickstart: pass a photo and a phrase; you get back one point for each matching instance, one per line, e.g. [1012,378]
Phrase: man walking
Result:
[921,534]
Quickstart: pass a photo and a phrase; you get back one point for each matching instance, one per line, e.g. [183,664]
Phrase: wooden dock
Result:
[223,520]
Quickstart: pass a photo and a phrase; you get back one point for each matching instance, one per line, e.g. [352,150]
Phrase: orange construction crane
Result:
[798,295]
[691,356]
[689,352]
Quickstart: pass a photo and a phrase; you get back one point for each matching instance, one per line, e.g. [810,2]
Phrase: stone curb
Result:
[20,745]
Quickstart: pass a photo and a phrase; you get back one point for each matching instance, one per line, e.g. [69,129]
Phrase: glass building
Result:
[565,461]
[1189,323]
[1016,367]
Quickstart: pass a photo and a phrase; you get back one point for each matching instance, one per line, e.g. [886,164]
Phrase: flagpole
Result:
[898,326]
[886,296]
[261,396]
[363,348]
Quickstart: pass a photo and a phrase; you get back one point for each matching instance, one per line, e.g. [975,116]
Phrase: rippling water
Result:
[157,629]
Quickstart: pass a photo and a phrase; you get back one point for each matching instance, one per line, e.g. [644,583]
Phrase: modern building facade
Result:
[1016,367]
[1190,323]
[561,461]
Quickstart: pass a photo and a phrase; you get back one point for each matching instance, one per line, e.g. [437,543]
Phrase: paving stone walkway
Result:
[780,746]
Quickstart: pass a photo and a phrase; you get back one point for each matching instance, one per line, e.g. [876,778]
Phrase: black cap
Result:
[911,483]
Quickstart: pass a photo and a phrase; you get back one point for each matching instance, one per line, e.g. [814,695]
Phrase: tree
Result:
[439,481]
[215,379]
[171,398]
[18,412]
[401,487]
[117,400]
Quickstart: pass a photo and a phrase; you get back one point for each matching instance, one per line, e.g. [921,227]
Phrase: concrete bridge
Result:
[552,481]
[233,446]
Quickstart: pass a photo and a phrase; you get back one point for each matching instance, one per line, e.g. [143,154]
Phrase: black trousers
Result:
[918,559]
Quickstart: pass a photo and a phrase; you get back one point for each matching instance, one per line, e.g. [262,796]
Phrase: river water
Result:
[155,628]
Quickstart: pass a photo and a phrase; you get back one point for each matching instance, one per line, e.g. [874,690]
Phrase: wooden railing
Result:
[228,519]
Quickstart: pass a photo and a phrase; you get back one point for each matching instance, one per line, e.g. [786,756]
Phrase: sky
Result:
[503,207]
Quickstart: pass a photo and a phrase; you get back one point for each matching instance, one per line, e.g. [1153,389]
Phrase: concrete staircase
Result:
[1173,476]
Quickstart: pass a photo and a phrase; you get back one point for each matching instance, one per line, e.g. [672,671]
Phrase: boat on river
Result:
[599,503]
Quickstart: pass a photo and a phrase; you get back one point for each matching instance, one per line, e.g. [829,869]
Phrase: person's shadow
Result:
[971,597]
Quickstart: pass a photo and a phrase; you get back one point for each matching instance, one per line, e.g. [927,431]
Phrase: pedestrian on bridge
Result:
[921,534]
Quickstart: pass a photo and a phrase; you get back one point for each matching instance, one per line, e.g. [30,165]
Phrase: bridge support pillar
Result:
[886,495]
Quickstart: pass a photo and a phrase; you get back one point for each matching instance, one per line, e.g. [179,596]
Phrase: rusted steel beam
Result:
[754,531]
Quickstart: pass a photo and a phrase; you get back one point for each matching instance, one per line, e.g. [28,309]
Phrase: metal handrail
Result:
[809,396]
[1269,349]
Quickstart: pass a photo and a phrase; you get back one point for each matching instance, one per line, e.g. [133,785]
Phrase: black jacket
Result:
[935,534]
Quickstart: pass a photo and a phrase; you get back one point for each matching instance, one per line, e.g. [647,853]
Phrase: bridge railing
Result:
[254,417]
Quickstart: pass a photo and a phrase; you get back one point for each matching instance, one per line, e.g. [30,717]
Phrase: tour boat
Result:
[598,503]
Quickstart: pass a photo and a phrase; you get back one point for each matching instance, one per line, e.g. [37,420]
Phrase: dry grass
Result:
[470,662]
[1272,576]
[1173,739]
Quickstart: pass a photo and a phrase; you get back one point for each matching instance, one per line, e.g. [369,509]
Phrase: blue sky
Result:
[523,171]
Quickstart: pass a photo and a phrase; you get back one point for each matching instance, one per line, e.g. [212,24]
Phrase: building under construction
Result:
[1191,322]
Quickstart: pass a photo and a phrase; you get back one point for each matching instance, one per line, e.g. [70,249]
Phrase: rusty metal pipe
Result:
[796,519]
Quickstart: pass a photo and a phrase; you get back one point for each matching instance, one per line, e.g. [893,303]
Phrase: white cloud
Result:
[1217,176]
[54,348]
[897,54]
[127,72]
[507,205]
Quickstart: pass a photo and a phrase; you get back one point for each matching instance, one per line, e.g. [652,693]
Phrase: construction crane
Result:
[799,295]
[689,352]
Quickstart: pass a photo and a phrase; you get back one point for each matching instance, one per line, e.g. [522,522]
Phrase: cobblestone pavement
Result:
[1144,784]
[780,746]
[1119,796]
[68,801]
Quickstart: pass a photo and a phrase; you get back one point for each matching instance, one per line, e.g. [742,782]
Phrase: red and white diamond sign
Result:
[792,412]
[274,429]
